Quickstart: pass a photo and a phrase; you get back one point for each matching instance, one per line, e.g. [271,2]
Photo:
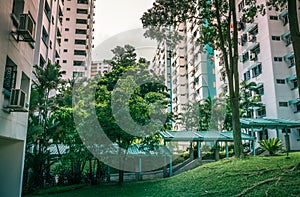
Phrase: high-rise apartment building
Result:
[266,58]
[99,68]
[48,35]
[188,69]
[77,37]
[17,37]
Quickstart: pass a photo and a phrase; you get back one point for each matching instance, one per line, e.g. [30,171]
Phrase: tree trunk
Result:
[238,146]
[236,125]
[295,36]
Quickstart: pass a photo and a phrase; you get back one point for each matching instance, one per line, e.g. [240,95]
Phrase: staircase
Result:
[189,165]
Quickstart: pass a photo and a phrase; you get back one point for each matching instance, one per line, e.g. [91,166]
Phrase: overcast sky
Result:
[117,22]
[115,16]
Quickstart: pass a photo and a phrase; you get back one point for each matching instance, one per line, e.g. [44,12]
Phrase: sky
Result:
[115,16]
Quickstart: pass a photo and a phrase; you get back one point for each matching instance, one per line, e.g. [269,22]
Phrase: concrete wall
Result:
[13,125]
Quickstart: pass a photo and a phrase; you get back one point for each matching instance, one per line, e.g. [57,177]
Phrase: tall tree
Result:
[41,123]
[128,104]
[218,28]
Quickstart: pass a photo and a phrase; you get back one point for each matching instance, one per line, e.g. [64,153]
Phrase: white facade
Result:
[98,68]
[266,57]
[189,69]
[16,60]
[48,35]
[77,37]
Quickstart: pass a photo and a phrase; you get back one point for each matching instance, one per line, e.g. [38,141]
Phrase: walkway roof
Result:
[269,123]
[201,136]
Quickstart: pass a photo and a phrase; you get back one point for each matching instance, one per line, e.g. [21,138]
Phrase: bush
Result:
[272,145]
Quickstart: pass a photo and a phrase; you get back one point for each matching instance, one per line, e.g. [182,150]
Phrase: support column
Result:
[140,169]
[165,167]
[217,157]
[108,174]
[171,150]
[277,133]
[171,167]
[253,141]
[226,146]
[191,150]
[199,149]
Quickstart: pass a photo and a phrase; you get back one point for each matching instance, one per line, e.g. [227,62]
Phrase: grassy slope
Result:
[277,176]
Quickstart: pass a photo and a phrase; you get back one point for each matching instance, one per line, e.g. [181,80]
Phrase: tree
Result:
[219,28]
[129,102]
[248,101]
[41,124]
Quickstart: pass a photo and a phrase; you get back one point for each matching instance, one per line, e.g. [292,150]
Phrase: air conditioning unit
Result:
[251,37]
[26,27]
[253,56]
[18,100]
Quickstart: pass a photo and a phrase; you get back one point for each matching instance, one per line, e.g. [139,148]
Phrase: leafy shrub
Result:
[272,145]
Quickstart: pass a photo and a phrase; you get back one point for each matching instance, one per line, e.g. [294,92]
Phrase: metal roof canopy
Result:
[201,136]
[269,123]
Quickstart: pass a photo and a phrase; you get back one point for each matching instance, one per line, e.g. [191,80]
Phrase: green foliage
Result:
[248,101]
[272,145]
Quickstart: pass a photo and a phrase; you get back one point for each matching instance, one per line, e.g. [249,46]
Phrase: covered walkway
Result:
[260,124]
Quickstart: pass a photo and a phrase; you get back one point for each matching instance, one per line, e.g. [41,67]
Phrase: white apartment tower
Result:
[99,68]
[266,57]
[77,37]
[17,37]
[188,69]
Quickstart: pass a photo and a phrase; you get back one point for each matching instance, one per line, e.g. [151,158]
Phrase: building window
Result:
[64,61]
[261,112]
[294,84]
[67,29]
[247,75]
[47,10]
[80,31]
[42,61]
[82,1]
[81,42]
[65,50]
[78,63]
[285,20]
[276,38]
[260,90]
[81,21]
[66,40]
[278,59]
[68,9]
[292,61]
[45,36]
[257,70]
[244,57]
[287,38]
[77,74]
[18,8]
[297,107]
[280,81]
[82,11]
[80,52]
[67,19]
[10,76]
[241,5]
[283,104]
[272,17]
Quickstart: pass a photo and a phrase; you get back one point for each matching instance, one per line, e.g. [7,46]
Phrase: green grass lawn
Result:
[251,176]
